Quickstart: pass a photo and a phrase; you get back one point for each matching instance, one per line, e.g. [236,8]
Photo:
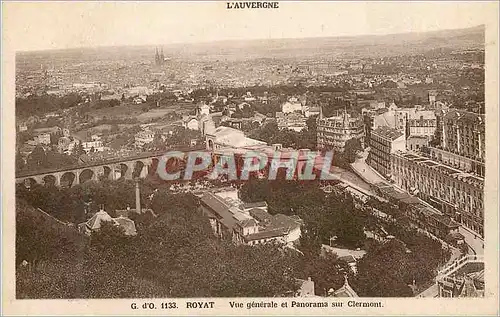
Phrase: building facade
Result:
[335,131]
[411,121]
[424,124]
[416,143]
[457,194]
[457,161]
[464,134]
[383,142]
[95,144]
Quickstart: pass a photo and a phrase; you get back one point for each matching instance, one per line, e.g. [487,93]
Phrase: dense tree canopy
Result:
[37,105]
[270,134]
[352,146]
[175,254]
[324,216]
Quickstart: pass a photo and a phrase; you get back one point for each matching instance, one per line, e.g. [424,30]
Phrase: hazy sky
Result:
[46,25]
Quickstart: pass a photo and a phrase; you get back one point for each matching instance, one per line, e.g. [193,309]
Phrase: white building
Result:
[204,109]
[225,137]
[95,145]
[383,142]
[43,138]
[191,123]
[292,105]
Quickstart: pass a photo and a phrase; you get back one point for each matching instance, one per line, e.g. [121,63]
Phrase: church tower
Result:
[162,57]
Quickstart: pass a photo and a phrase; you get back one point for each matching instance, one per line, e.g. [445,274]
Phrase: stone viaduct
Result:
[128,167]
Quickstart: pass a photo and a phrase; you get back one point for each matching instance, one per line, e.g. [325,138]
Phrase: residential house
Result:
[254,226]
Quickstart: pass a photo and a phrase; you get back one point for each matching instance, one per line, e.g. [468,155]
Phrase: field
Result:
[153,114]
[127,111]
[122,111]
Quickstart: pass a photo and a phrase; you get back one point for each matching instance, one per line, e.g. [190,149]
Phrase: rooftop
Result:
[232,216]
[388,133]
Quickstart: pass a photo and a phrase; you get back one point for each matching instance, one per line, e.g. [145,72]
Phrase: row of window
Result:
[339,136]
[434,175]
[465,202]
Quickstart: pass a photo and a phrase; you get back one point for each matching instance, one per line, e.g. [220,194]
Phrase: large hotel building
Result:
[456,193]
[463,140]
[334,132]
[450,176]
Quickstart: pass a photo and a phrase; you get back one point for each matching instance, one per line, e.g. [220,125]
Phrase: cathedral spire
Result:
[157,57]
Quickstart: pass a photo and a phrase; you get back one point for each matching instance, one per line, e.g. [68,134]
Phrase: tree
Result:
[327,271]
[108,235]
[20,164]
[56,159]
[157,145]
[78,150]
[352,146]
[323,217]
[215,269]
[24,136]
[39,238]
[182,136]
[114,103]
[37,158]
[312,124]
[383,272]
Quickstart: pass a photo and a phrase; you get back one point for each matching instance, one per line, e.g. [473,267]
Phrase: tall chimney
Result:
[137,197]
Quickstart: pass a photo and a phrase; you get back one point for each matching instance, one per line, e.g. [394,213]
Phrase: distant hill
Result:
[353,46]
[329,47]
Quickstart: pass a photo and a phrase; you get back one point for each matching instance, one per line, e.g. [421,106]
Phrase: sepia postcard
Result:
[250,158]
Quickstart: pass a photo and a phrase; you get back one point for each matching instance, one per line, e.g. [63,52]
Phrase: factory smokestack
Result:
[137,197]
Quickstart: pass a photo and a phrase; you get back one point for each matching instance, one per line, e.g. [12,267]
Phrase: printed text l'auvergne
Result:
[252,5]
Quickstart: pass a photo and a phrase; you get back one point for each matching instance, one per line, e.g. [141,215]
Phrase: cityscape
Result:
[400,213]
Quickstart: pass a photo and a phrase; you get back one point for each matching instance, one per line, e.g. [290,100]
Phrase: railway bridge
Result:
[138,166]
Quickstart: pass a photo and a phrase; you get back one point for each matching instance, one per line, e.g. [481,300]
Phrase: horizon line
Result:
[245,40]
